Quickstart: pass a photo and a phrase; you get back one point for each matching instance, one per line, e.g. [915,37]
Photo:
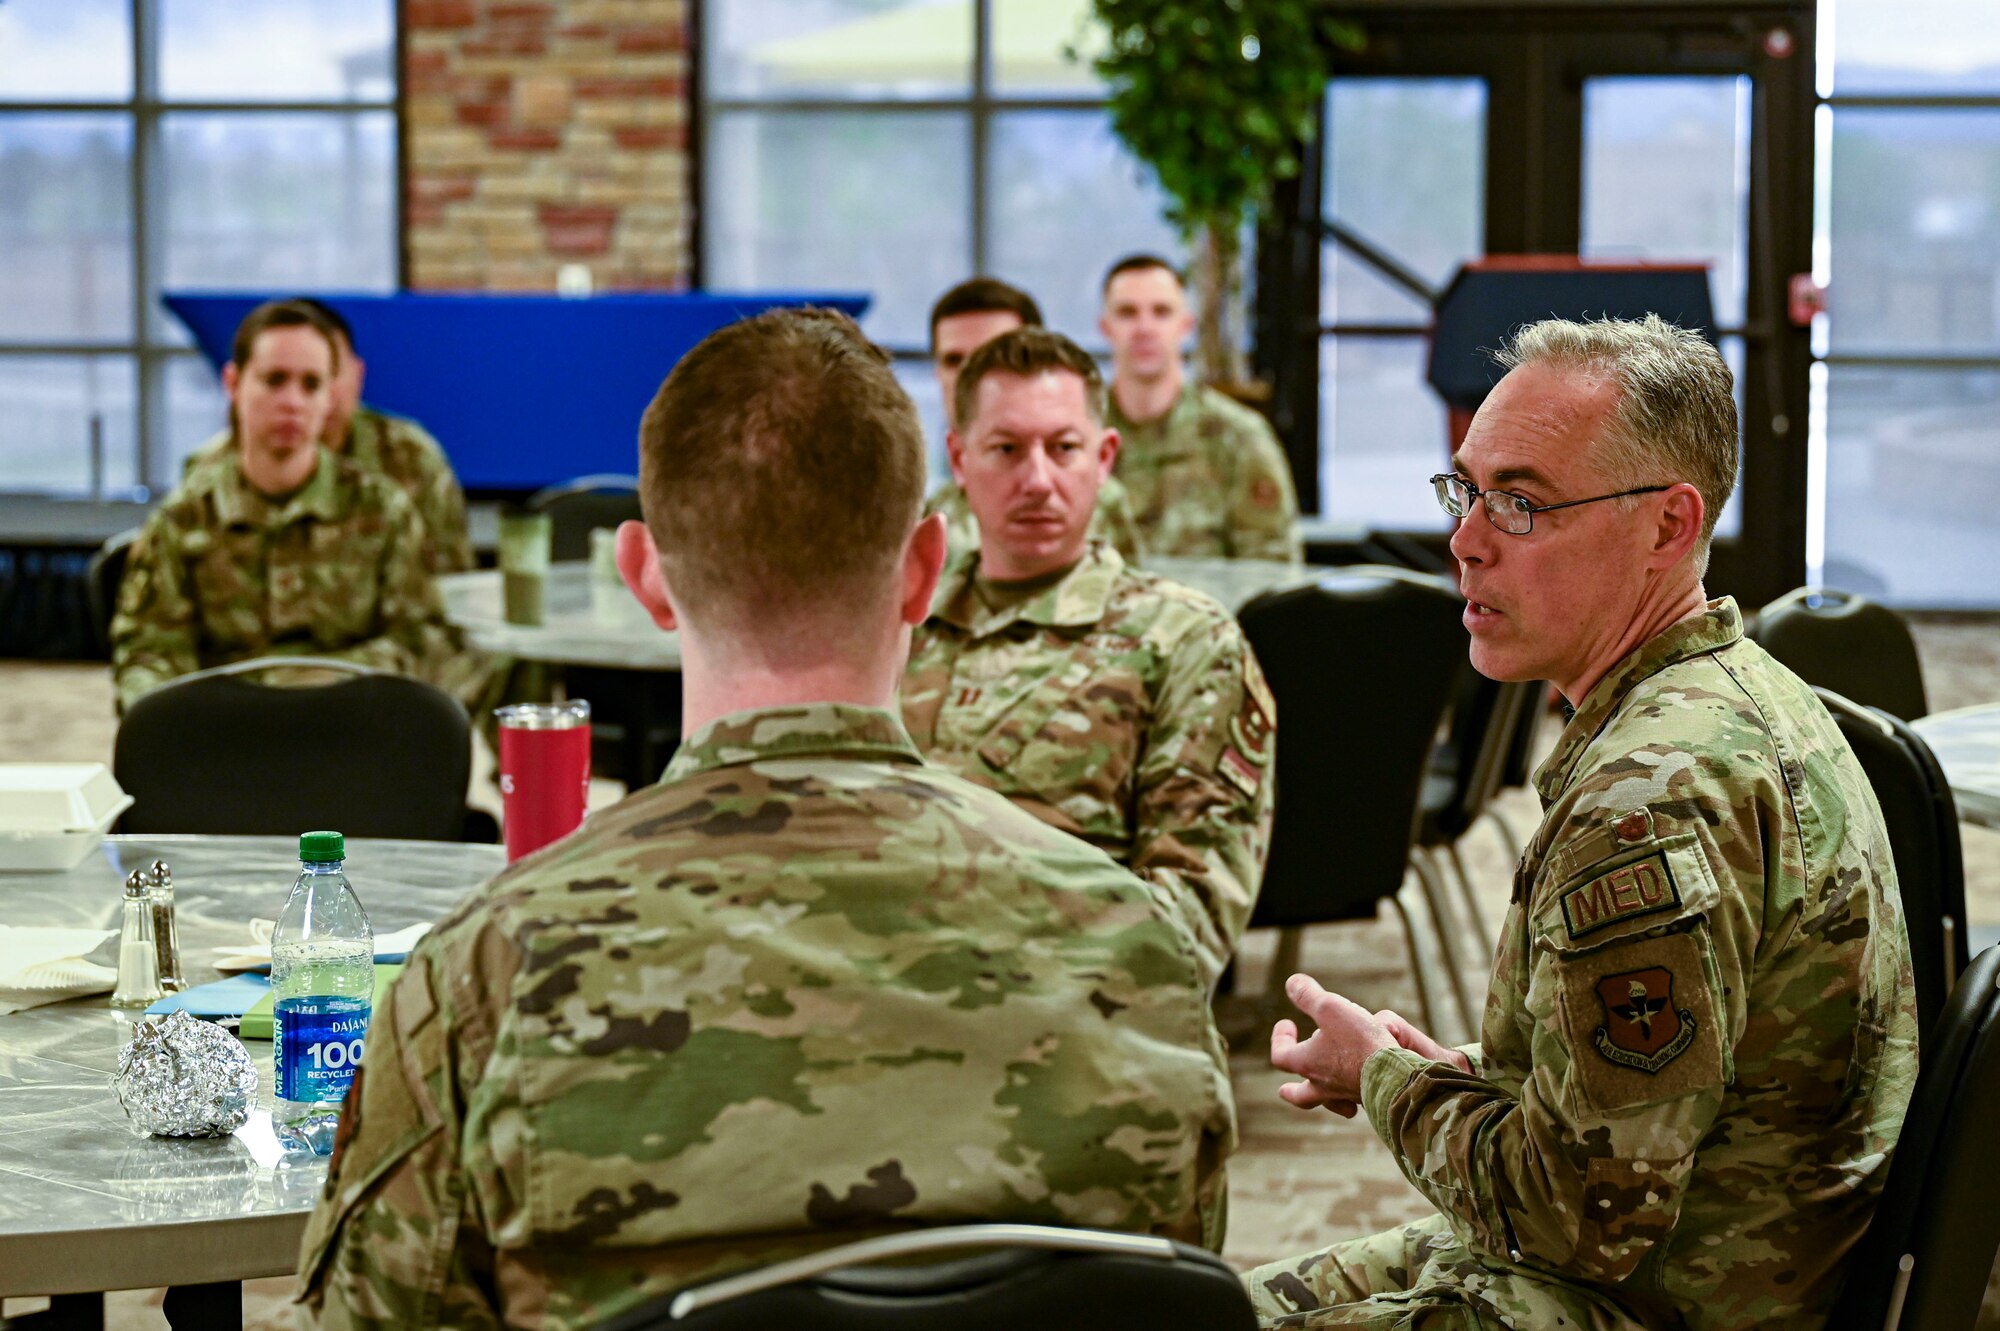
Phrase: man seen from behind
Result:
[804,990]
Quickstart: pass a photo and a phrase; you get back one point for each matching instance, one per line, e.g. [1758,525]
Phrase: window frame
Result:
[145,110]
[981,104]
[1828,103]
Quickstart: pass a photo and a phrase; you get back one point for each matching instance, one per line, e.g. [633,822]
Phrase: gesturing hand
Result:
[1417,1042]
[1330,1059]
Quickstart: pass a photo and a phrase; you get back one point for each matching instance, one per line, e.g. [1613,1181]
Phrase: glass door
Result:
[1462,130]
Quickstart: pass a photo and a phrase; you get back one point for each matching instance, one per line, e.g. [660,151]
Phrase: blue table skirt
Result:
[523,391]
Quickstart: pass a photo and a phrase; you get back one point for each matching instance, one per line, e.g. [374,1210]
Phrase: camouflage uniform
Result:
[403,451]
[1699,1042]
[1208,478]
[1120,707]
[1111,521]
[220,573]
[806,989]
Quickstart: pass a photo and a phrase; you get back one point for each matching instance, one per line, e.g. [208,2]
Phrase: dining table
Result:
[88,1202]
[1967,744]
[590,619]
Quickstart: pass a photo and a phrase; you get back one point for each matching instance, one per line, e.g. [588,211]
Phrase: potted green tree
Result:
[1216,97]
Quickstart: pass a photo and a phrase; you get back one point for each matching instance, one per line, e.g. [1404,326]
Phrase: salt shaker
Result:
[166,934]
[138,955]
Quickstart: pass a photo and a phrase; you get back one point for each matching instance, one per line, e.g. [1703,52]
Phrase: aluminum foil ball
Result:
[185,1078]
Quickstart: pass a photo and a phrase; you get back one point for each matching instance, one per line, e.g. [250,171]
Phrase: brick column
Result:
[546,134]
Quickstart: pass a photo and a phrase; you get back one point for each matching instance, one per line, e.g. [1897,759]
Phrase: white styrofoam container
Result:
[49,852]
[43,798]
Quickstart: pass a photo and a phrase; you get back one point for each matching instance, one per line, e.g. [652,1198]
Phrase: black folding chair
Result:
[1361,665]
[1466,771]
[577,508]
[635,715]
[1922,820]
[1924,1261]
[997,1277]
[373,754]
[107,574]
[1847,643]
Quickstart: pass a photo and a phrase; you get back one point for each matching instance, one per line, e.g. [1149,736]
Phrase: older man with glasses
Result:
[1700,1038]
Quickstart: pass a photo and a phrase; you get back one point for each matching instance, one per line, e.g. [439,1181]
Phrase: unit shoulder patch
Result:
[1247,753]
[1642,1028]
[1641,1020]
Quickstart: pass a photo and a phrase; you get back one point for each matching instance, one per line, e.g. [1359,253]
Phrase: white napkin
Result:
[41,964]
[257,952]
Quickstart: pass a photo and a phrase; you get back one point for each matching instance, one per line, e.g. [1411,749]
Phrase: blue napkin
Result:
[221,998]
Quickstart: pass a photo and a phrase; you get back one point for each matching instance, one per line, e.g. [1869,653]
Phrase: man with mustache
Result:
[278,546]
[1700,1036]
[965,318]
[1116,705]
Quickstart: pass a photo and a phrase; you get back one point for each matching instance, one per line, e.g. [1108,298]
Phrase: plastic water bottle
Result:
[323,983]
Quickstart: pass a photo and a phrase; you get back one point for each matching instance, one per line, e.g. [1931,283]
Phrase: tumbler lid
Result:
[544,715]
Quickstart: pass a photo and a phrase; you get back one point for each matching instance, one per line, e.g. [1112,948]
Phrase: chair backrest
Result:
[372,755]
[1922,819]
[1361,664]
[1520,765]
[107,573]
[1018,1276]
[578,507]
[1924,1261]
[1847,643]
[1486,717]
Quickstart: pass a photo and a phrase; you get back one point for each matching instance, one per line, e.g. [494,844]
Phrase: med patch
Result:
[1631,891]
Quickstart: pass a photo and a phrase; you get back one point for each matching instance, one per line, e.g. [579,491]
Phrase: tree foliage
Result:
[1217,97]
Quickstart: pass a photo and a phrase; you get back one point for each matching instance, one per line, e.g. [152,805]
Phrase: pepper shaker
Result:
[138,955]
[166,933]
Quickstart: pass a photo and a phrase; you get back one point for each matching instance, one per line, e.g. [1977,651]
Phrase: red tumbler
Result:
[544,771]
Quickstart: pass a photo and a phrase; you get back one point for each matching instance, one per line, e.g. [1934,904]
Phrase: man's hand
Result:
[1417,1042]
[1330,1060]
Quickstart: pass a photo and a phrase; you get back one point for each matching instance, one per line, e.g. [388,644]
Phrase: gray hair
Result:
[1675,419]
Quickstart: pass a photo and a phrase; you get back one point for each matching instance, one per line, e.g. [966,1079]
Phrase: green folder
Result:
[257,1021]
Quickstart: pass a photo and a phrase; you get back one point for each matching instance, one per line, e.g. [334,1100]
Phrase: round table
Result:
[587,621]
[593,621]
[86,1203]
[1967,745]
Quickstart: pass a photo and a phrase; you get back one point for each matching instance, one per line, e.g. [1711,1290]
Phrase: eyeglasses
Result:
[1509,512]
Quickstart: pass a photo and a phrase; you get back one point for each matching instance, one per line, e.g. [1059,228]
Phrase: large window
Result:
[1909,244]
[895,147]
[1404,171]
[155,145]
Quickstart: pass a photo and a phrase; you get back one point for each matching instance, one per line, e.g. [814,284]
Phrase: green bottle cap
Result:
[322,847]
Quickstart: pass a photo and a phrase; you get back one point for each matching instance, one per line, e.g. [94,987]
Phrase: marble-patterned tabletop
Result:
[592,620]
[1967,744]
[86,1203]
[587,620]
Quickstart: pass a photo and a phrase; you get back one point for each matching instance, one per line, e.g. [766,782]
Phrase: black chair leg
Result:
[198,1307]
[642,767]
[66,1312]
